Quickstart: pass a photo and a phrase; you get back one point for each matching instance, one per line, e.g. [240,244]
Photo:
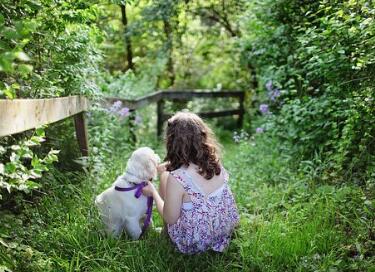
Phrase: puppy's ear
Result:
[152,164]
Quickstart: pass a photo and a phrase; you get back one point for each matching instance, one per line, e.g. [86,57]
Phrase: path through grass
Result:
[287,223]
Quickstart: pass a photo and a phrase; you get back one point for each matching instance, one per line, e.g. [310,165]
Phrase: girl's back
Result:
[195,200]
[208,213]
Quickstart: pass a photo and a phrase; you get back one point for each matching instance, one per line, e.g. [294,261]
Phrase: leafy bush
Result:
[319,54]
[24,165]
[110,135]
[47,49]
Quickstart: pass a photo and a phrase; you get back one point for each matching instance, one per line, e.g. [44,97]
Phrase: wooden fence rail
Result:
[19,115]
[161,96]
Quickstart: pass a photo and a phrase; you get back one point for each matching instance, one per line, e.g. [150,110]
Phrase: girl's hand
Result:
[149,189]
[162,167]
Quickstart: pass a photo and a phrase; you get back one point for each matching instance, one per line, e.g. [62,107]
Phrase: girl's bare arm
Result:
[170,207]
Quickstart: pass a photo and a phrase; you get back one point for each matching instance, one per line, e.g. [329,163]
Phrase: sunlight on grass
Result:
[285,224]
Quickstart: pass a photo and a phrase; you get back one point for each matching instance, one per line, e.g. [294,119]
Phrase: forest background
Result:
[308,71]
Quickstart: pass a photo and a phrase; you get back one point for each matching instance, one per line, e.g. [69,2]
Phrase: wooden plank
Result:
[187,95]
[210,114]
[134,104]
[19,115]
[219,113]
[81,133]
[184,95]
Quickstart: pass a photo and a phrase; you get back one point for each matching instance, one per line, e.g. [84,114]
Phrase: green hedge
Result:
[48,48]
[320,56]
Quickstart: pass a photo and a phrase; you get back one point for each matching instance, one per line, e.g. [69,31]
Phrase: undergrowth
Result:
[288,223]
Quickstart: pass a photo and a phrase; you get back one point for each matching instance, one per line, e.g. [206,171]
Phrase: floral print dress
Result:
[206,222]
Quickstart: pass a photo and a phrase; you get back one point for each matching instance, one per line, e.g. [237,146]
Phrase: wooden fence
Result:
[161,96]
[19,115]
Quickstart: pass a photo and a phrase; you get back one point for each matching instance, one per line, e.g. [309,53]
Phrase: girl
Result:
[194,197]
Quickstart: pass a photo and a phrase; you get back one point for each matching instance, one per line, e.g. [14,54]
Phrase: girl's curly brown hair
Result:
[190,140]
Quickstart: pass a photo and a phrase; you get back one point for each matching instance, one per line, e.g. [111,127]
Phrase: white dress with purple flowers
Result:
[206,222]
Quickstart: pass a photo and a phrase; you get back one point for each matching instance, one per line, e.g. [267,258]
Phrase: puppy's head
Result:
[142,165]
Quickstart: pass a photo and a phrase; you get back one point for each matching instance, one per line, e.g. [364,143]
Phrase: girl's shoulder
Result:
[179,175]
[224,172]
[178,172]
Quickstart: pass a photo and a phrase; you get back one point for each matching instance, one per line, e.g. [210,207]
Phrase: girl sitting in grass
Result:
[194,197]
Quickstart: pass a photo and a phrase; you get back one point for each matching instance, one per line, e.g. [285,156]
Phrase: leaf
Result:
[10,33]
[22,56]
[35,162]
[15,147]
[30,143]
[32,185]
[10,168]
[6,63]
[36,173]
[25,69]
[37,140]
[10,93]
[51,157]
[2,20]
[40,132]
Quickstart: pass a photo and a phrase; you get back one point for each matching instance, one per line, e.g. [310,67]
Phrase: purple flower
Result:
[269,85]
[259,130]
[124,112]
[275,94]
[264,108]
[115,106]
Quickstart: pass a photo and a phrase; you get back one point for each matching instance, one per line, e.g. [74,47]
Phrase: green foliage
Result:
[295,180]
[129,84]
[319,54]
[288,222]
[24,165]
[47,49]
[110,135]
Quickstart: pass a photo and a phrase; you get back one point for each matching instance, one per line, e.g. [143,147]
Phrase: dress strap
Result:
[185,182]
[225,173]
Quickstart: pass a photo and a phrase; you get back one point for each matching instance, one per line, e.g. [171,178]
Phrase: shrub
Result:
[319,54]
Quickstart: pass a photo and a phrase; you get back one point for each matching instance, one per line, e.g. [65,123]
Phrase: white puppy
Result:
[121,209]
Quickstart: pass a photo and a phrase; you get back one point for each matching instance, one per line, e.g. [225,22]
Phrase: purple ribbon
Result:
[138,192]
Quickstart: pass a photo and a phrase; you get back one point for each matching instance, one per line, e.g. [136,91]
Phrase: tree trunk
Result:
[128,44]
[169,35]
[253,77]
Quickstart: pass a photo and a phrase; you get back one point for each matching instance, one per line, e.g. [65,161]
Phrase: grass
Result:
[288,223]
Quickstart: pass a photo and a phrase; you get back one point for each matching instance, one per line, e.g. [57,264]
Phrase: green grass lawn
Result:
[288,223]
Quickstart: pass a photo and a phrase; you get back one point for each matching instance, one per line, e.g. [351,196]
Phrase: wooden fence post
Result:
[241,109]
[160,117]
[133,137]
[81,132]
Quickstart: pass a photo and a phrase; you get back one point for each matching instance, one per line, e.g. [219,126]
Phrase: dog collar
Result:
[138,192]
[138,187]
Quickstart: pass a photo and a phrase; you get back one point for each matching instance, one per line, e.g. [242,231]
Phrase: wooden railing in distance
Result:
[19,115]
[161,96]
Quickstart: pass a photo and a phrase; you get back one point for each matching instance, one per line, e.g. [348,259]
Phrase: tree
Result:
[128,44]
